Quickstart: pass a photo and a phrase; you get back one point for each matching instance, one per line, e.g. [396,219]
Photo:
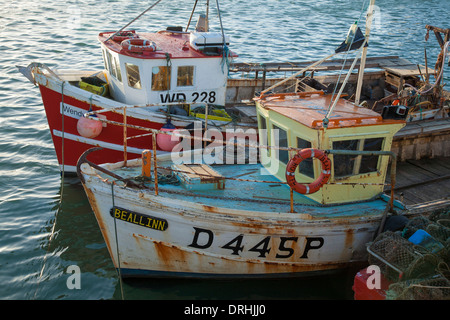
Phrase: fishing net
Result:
[418,271]
[427,289]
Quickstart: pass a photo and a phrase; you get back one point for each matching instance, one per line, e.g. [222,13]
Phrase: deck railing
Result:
[151,156]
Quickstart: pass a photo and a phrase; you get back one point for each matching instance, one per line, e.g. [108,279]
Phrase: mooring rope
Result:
[52,233]
[117,243]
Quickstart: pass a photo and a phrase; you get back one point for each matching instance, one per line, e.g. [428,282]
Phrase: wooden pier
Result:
[423,185]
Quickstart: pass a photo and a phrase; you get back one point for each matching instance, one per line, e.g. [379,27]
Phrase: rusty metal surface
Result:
[243,242]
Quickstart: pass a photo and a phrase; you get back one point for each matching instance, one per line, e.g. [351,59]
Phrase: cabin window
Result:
[306,166]
[370,163]
[263,133]
[281,140]
[185,76]
[346,165]
[113,67]
[110,68]
[117,68]
[161,78]
[104,60]
[134,79]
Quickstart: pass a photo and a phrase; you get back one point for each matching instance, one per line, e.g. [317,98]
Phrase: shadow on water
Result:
[335,286]
[77,241]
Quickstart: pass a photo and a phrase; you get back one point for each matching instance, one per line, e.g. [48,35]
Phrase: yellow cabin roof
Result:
[310,108]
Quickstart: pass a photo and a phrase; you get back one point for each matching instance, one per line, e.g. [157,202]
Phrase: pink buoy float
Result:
[167,142]
[89,128]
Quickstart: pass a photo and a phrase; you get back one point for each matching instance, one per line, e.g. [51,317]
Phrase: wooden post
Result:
[264,80]
[364,53]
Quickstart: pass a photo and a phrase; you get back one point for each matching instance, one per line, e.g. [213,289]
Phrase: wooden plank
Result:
[422,181]
[443,162]
[336,64]
[409,70]
[425,126]
[437,166]
[186,170]
[248,111]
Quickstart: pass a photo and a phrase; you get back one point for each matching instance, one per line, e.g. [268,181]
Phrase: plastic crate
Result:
[99,90]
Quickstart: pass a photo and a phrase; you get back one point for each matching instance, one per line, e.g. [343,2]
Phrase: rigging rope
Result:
[445,52]
[145,11]
[330,109]
[345,59]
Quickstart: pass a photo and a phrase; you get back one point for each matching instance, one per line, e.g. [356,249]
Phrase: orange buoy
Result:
[89,128]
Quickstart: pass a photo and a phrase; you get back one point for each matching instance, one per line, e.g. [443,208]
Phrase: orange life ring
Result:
[138,45]
[124,35]
[316,184]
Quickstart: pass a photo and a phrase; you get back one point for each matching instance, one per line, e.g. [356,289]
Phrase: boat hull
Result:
[149,235]
[66,104]
[63,112]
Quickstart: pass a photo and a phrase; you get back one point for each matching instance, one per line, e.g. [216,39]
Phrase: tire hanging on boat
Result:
[316,184]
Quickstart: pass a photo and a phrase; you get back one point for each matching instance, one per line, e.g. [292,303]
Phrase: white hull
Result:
[186,238]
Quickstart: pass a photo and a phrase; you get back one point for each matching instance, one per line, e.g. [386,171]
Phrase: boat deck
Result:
[245,191]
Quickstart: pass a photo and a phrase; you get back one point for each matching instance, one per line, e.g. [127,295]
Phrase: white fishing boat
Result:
[307,198]
[180,217]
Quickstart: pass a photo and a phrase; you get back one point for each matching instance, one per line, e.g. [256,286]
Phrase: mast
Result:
[364,52]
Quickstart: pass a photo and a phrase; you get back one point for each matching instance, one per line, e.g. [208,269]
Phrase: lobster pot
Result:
[417,269]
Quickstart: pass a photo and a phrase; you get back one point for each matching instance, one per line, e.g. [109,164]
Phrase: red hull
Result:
[111,137]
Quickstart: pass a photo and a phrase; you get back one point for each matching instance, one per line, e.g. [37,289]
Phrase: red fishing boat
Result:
[163,80]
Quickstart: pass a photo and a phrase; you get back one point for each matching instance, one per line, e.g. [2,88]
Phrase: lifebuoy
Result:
[124,35]
[138,45]
[316,184]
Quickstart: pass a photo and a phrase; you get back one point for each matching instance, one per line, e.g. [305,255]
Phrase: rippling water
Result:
[63,34]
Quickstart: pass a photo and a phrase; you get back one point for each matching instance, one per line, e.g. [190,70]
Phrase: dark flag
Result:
[354,40]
